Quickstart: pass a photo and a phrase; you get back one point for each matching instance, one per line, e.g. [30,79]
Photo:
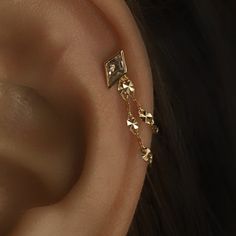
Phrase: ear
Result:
[77,38]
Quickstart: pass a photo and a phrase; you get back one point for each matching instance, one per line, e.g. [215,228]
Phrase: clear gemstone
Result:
[112,69]
[115,68]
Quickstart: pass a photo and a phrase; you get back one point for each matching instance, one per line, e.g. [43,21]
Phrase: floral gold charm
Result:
[116,70]
[147,155]
[126,88]
[146,116]
[132,124]
[155,129]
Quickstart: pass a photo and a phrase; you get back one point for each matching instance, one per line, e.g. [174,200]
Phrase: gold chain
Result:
[116,70]
[127,91]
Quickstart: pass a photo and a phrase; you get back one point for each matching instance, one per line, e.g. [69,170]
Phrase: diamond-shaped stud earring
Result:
[115,68]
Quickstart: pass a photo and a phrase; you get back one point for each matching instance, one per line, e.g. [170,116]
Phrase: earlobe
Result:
[103,200]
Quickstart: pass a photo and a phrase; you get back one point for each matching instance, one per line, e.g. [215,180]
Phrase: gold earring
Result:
[116,70]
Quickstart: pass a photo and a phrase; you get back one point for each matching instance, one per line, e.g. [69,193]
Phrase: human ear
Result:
[80,37]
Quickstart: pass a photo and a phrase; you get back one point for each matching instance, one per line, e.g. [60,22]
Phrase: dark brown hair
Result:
[190,190]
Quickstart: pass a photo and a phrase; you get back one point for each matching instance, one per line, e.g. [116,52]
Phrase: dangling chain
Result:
[116,70]
[127,91]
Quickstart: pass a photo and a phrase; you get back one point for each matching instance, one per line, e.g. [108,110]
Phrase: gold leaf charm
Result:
[133,125]
[147,155]
[148,119]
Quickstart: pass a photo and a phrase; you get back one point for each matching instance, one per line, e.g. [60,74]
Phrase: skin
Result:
[69,165]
